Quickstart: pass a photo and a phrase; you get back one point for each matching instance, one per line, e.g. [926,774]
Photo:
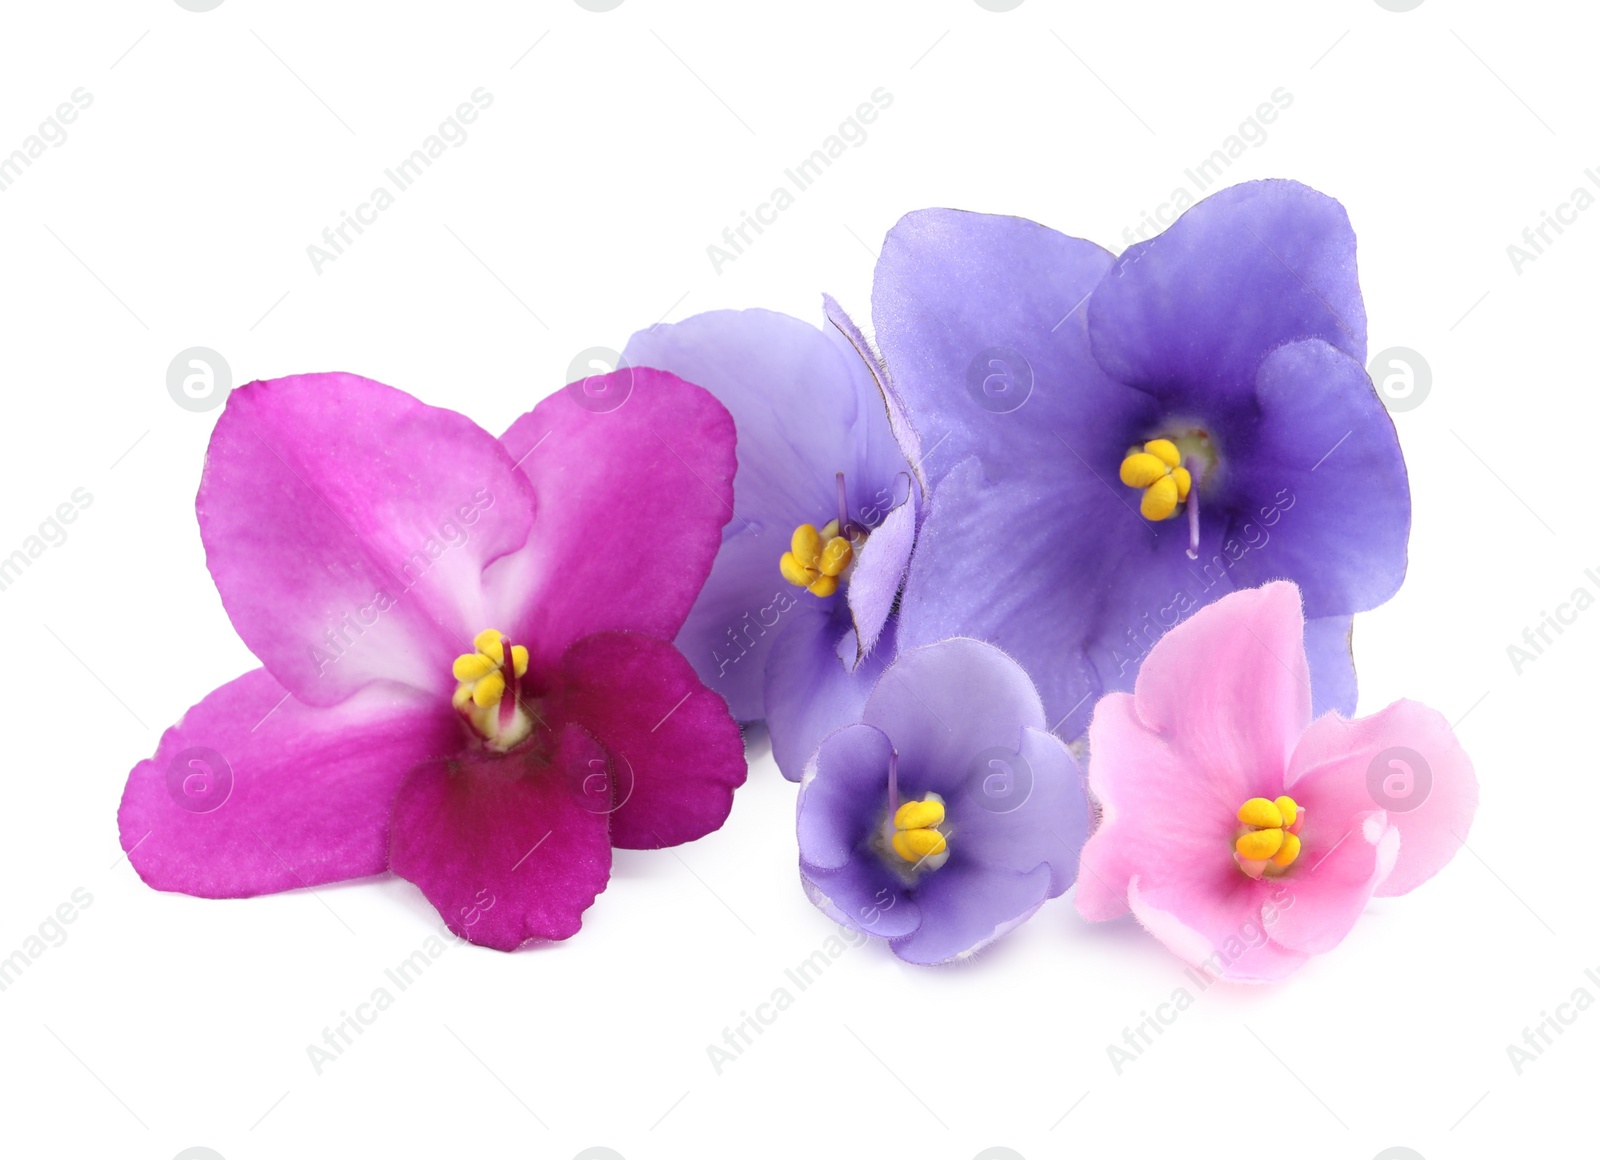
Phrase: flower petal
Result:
[1332,664]
[806,407]
[981,319]
[964,907]
[880,569]
[946,706]
[1320,904]
[347,526]
[1215,925]
[255,792]
[844,793]
[1230,689]
[810,691]
[1196,308]
[631,507]
[1161,815]
[501,844]
[1326,441]
[675,752]
[1404,760]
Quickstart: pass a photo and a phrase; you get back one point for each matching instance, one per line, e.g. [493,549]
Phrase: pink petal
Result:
[347,526]
[676,752]
[632,502]
[1320,902]
[1230,689]
[1215,924]
[1404,760]
[254,792]
[1161,814]
[501,844]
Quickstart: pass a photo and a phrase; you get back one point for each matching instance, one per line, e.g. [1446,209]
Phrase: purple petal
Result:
[254,792]
[946,705]
[880,570]
[806,408]
[964,907]
[1327,444]
[1333,665]
[1196,308]
[810,692]
[348,525]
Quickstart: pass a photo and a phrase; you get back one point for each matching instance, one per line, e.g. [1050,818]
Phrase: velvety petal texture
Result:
[253,792]
[1221,715]
[959,720]
[808,408]
[1031,364]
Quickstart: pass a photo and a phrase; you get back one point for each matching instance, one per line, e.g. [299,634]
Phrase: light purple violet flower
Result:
[820,448]
[1123,440]
[948,814]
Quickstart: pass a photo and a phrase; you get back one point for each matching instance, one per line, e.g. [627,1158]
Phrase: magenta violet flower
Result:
[1243,834]
[794,623]
[467,670]
[948,813]
[1121,440]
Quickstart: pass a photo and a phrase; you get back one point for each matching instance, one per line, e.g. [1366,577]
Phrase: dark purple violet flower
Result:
[948,814]
[1123,440]
[793,625]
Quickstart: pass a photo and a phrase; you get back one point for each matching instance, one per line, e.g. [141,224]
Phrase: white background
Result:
[619,145]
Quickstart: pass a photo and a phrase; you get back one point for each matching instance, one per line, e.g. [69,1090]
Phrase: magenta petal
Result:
[503,845]
[347,526]
[631,507]
[1321,902]
[1230,689]
[1404,760]
[676,753]
[254,792]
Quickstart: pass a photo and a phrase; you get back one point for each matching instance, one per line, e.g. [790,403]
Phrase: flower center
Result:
[1267,840]
[912,830]
[818,560]
[489,689]
[1166,471]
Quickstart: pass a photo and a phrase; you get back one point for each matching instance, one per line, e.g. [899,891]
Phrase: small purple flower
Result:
[794,625]
[1123,440]
[948,814]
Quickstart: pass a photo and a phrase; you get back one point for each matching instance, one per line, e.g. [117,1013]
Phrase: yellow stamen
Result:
[1158,469]
[923,815]
[916,837]
[481,684]
[1268,834]
[816,559]
[915,845]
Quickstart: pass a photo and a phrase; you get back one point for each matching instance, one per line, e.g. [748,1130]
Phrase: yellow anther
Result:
[1290,811]
[1262,814]
[1141,469]
[1165,450]
[486,692]
[1158,470]
[924,815]
[1160,499]
[472,666]
[1288,852]
[1259,845]
[489,637]
[806,545]
[836,556]
[915,845]
[817,559]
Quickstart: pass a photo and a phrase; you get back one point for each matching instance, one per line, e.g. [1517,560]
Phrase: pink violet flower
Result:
[1241,833]
[468,676]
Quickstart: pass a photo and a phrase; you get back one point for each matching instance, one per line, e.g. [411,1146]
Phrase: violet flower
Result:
[467,671]
[1243,834]
[1123,440]
[794,623]
[948,814]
